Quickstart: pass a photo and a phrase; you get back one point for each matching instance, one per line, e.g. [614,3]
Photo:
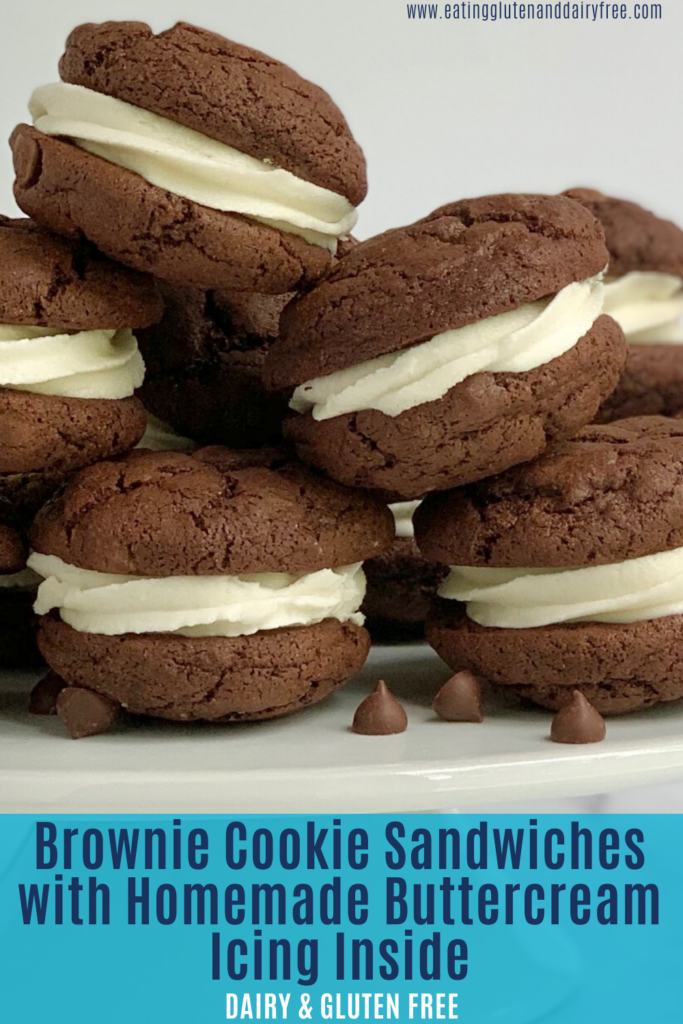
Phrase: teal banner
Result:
[203,919]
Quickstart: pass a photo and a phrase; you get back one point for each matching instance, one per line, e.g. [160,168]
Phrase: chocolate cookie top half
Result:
[612,493]
[637,239]
[463,263]
[46,281]
[234,94]
[168,514]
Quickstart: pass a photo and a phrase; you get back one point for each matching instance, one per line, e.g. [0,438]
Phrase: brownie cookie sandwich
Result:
[182,589]
[69,362]
[566,574]
[400,583]
[644,294]
[203,365]
[18,587]
[447,351]
[190,156]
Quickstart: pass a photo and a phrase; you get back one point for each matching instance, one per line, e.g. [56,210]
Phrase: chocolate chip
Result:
[380,714]
[43,699]
[578,722]
[459,700]
[85,713]
[29,161]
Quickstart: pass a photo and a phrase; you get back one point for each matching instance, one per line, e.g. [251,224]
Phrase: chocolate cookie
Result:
[253,178]
[69,364]
[567,573]
[645,295]
[637,240]
[448,414]
[401,583]
[18,624]
[651,384]
[203,366]
[247,580]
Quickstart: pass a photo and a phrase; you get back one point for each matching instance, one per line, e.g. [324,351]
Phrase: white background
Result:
[443,109]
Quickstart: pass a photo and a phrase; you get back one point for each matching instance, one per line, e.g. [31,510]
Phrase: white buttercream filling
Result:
[403,517]
[647,306]
[159,437]
[513,342]
[27,579]
[639,589]
[88,364]
[191,165]
[195,606]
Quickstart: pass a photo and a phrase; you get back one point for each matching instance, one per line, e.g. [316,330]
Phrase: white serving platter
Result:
[312,763]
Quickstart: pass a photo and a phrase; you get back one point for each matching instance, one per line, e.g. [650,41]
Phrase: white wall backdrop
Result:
[444,109]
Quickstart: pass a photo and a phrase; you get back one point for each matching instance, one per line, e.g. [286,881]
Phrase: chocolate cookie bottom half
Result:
[618,667]
[73,193]
[481,427]
[230,679]
[46,438]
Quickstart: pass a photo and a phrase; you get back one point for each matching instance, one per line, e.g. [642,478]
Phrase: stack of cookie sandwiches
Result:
[233,182]
[69,367]
[188,273]
[444,352]
[69,361]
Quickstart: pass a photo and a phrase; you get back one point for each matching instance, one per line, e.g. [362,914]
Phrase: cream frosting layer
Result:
[644,588]
[159,437]
[647,306]
[512,342]
[403,517]
[191,165]
[196,606]
[27,579]
[88,364]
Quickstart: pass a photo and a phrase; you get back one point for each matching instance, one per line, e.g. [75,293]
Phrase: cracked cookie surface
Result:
[232,93]
[48,281]
[611,493]
[465,262]
[168,514]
